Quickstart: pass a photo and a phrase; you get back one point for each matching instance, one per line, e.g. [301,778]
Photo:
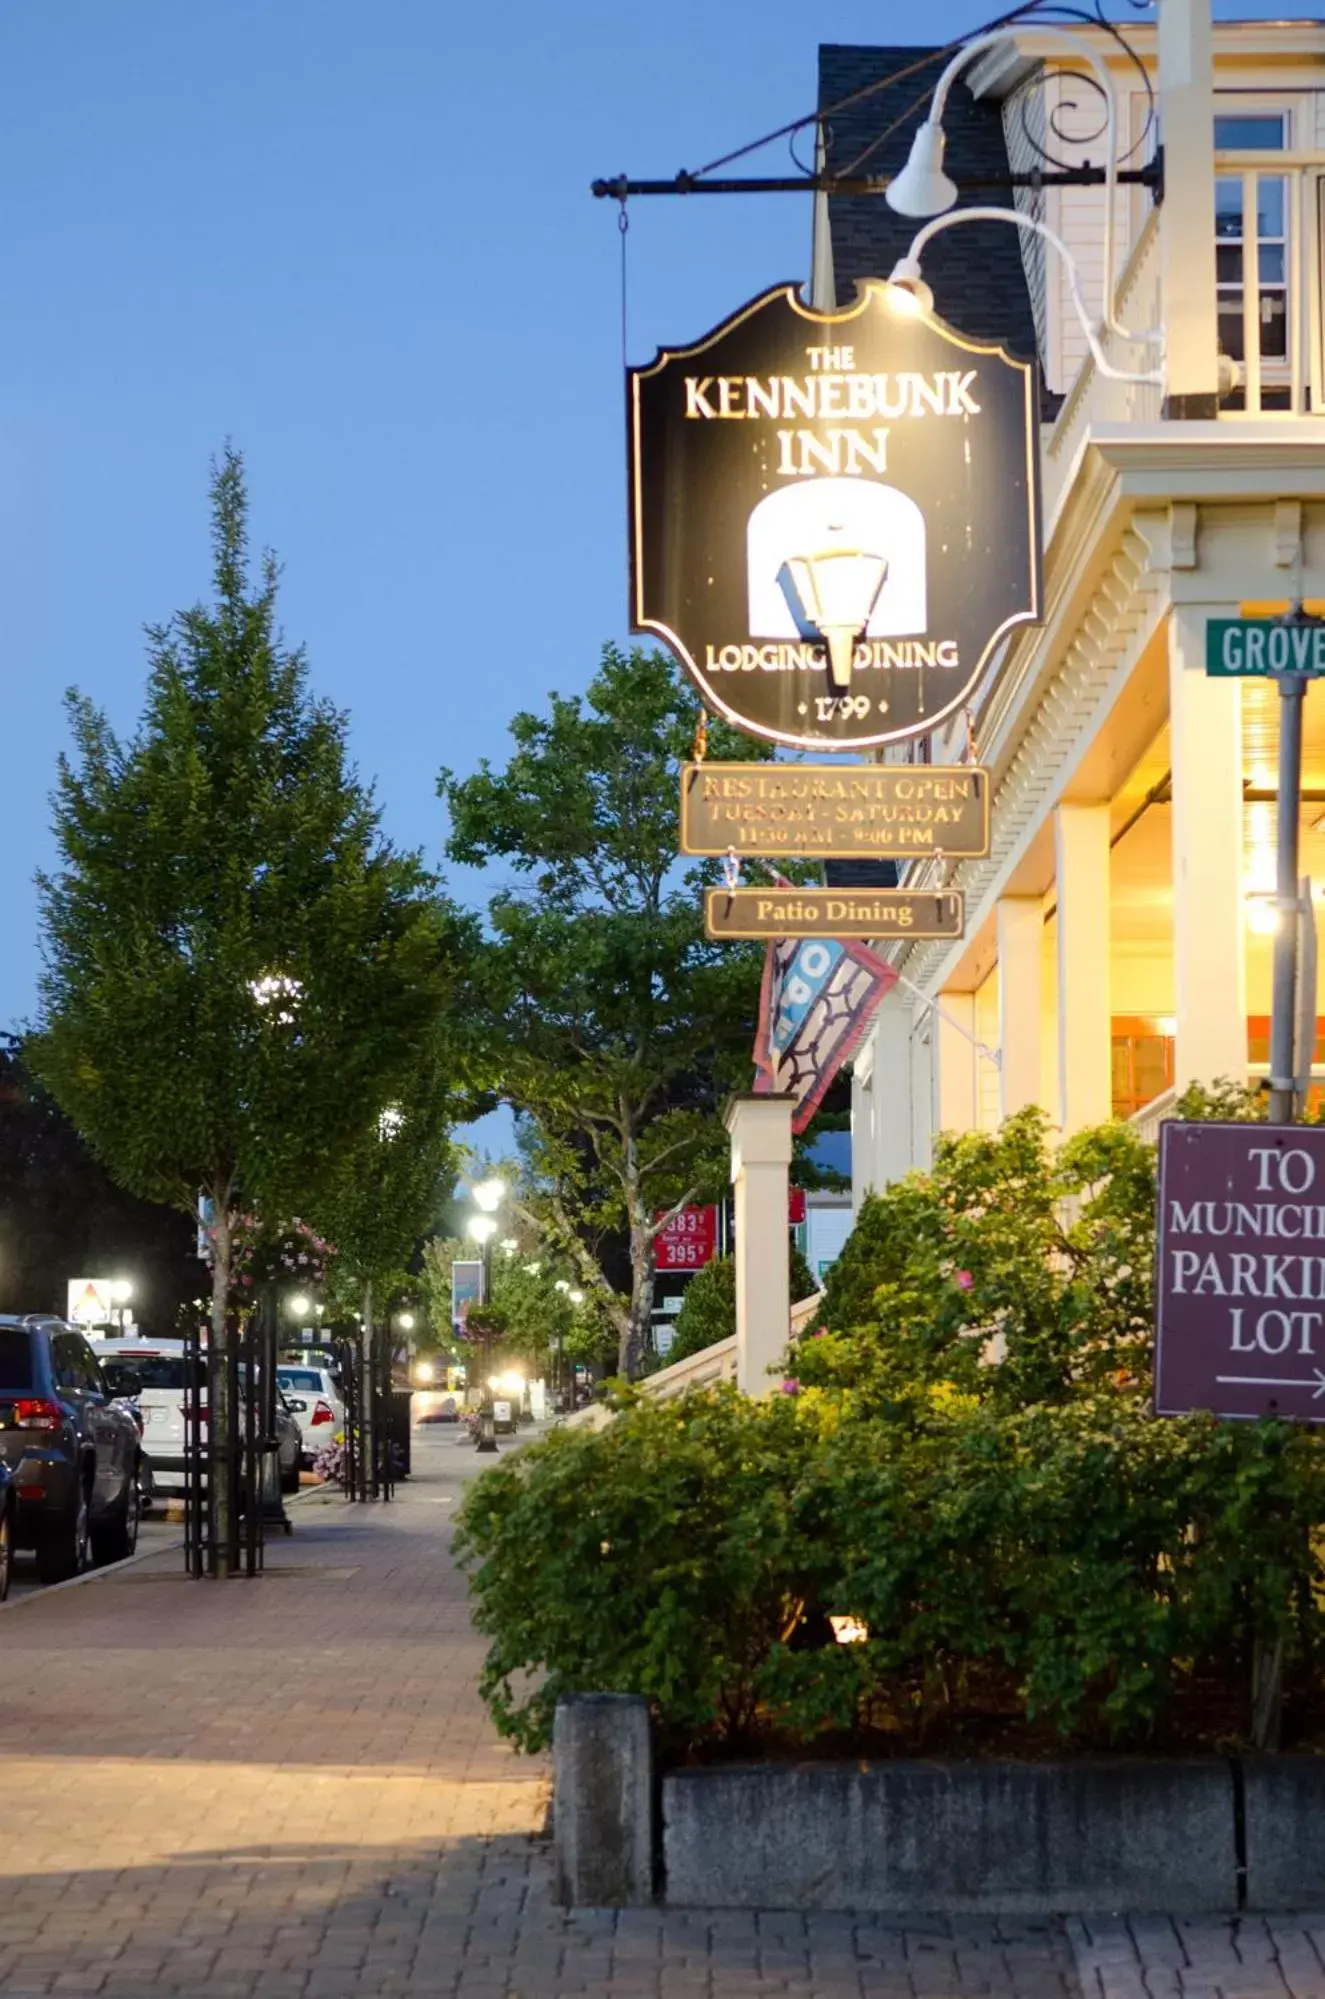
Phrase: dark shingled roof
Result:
[860,874]
[975,272]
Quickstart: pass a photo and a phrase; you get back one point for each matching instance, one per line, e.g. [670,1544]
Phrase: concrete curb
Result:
[141,1555]
[92,1575]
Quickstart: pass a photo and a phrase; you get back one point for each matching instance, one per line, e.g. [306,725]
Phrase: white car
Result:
[312,1394]
[160,1368]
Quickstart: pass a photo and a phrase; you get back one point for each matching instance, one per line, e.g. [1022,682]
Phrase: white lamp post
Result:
[923,189]
[905,277]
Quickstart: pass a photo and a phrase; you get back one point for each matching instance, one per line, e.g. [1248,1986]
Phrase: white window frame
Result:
[1275,373]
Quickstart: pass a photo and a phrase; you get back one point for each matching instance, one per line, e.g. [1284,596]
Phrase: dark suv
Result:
[73,1450]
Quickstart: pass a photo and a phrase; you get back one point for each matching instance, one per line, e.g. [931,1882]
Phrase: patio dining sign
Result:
[834,516]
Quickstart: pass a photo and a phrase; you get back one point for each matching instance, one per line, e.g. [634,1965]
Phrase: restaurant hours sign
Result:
[834,516]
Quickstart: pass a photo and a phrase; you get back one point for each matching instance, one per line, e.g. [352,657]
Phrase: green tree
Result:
[388,1192]
[621,1026]
[240,971]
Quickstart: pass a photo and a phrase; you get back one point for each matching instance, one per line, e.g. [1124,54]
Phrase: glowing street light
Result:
[481,1228]
[278,996]
[490,1194]
[300,1305]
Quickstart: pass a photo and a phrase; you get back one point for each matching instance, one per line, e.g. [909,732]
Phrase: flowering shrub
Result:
[291,1252]
[963,1465]
[330,1461]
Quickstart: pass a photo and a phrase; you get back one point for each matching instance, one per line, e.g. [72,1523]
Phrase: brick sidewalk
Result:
[288,1789]
[1161,1957]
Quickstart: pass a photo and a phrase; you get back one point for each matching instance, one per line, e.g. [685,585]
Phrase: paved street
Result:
[288,1789]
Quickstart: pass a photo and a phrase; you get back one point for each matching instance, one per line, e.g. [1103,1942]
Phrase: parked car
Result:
[154,1371]
[314,1397]
[158,1371]
[72,1449]
[125,1391]
[7,1505]
[433,1411]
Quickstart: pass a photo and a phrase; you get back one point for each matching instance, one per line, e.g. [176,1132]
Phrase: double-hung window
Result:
[1252,216]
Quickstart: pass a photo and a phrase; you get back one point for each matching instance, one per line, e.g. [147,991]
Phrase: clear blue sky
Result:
[355,236]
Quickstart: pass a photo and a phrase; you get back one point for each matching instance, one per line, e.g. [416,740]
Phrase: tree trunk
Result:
[220,1416]
[635,1333]
[1267,1691]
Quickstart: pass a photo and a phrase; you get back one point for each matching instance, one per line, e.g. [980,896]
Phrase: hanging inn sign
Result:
[834,516]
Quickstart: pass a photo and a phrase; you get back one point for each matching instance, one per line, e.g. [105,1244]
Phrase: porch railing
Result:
[1094,398]
[1269,223]
[1148,1119]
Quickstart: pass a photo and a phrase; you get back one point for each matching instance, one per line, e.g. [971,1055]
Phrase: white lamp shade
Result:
[481,1227]
[922,187]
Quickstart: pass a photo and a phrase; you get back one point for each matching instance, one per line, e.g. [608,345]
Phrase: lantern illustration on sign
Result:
[835,591]
[836,560]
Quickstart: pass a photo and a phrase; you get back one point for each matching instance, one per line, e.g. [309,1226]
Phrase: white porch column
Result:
[1185,51]
[890,1086]
[1085,1026]
[924,1092]
[1020,940]
[956,1061]
[862,1128]
[1209,955]
[760,1130]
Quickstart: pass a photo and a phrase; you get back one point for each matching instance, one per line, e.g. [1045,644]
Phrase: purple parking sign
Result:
[1240,1271]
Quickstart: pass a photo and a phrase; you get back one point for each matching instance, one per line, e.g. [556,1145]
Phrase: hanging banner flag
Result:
[835,517]
[818,997]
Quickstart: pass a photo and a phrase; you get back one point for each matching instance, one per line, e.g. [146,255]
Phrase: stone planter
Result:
[1083,1835]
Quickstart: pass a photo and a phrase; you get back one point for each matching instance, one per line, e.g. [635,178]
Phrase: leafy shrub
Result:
[708,1310]
[652,1557]
[965,1463]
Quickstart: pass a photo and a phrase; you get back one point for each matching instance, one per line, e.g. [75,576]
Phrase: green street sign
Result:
[1241,648]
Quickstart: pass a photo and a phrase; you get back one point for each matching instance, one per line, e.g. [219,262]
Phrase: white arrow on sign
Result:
[1268,1381]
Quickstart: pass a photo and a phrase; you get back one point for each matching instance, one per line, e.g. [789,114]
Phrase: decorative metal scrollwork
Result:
[1094,16]
[1057,13]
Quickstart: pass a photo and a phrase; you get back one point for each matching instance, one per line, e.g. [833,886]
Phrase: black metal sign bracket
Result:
[621,188]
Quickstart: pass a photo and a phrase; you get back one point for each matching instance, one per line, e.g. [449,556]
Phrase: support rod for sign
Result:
[620,187]
[932,1006]
[1283,1018]
[1306,993]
